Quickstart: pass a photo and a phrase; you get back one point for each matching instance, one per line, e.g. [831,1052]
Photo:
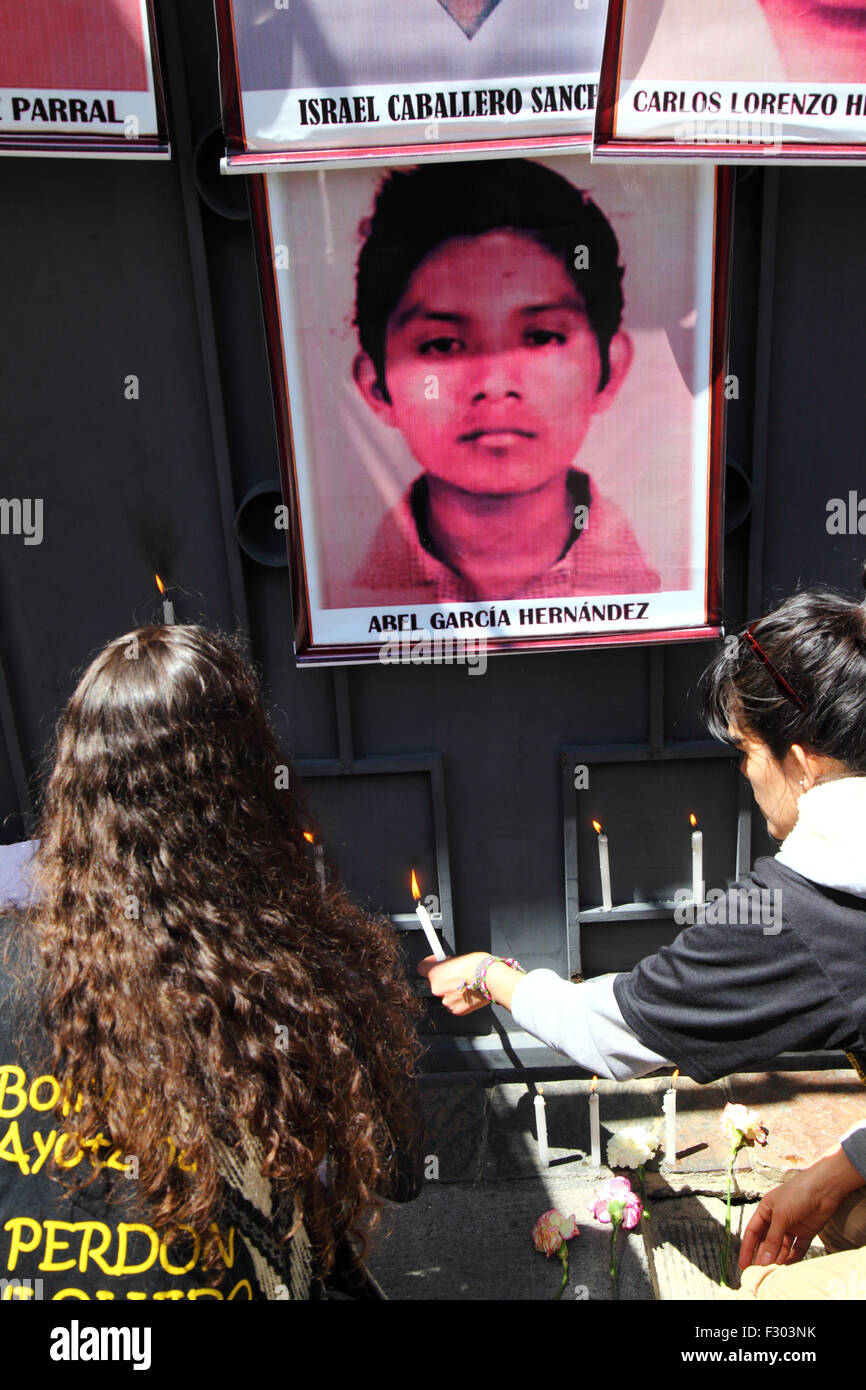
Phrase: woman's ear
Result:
[814,767]
[620,354]
[366,379]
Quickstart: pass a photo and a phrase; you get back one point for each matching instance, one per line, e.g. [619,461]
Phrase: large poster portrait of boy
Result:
[499,383]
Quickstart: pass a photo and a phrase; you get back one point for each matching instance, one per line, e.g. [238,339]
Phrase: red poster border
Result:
[349,653]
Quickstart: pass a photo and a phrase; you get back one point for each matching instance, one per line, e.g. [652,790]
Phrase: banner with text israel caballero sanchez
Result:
[306,80]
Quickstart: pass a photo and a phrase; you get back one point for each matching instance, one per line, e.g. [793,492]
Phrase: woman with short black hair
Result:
[730,993]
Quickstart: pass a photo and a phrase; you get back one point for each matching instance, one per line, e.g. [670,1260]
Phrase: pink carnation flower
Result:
[551,1229]
[617,1192]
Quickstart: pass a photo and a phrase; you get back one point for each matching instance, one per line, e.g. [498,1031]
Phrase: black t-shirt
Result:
[788,973]
[86,1246]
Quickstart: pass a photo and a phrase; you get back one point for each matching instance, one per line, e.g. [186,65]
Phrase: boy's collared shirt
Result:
[602,558]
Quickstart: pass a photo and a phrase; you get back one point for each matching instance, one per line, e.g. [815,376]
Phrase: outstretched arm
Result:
[583,1021]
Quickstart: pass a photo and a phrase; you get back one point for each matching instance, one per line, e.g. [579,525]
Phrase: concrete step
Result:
[468,1236]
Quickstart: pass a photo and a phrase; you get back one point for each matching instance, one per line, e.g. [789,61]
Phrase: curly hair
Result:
[193,974]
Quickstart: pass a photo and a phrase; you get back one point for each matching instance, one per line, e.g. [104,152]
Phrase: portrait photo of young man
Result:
[490,340]
[498,381]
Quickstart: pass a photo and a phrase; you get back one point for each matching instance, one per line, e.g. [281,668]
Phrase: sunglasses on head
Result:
[778,679]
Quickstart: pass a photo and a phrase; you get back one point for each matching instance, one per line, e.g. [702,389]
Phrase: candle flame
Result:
[416,891]
[309,836]
[674,1077]
[596,825]
[693,818]
[159,584]
[593,1085]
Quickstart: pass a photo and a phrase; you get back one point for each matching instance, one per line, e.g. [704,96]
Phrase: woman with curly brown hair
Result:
[214,1029]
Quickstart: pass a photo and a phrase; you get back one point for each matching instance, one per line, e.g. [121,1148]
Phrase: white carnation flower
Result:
[632,1147]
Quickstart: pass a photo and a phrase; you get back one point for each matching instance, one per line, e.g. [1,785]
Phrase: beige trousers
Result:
[840,1274]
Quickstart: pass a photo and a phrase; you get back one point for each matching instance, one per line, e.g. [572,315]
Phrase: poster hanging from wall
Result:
[734,80]
[500,395]
[314,80]
[80,78]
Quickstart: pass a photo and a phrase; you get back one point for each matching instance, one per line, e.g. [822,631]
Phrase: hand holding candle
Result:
[697,861]
[594,1125]
[424,918]
[604,867]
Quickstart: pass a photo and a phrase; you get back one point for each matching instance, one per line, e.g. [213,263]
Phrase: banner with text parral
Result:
[733,81]
[324,82]
[81,80]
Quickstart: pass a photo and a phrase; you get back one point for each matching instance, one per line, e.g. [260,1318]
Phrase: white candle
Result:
[697,863]
[318,859]
[541,1130]
[167,605]
[319,855]
[424,918]
[604,868]
[669,1106]
[594,1126]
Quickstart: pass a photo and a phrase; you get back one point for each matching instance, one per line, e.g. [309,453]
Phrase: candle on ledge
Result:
[167,605]
[669,1106]
[541,1129]
[319,857]
[697,861]
[604,867]
[594,1125]
[424,918]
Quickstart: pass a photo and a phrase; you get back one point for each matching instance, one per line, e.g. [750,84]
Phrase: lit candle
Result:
[424,918]
[594,1125]
[604,868]
[669,1106]
[167,605]
[319,857]
[697,861]
[541,1129]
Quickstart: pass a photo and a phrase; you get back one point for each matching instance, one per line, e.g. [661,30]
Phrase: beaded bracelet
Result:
[479,979]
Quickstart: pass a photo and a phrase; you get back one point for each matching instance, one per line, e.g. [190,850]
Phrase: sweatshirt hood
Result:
[828,842]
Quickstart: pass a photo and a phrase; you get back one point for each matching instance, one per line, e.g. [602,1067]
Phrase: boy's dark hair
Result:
[816,641]
[418,209]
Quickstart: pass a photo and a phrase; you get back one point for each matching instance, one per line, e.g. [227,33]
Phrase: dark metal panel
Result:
[96,291]
[660,864]
[13,772]
[376,875]
[816,400]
